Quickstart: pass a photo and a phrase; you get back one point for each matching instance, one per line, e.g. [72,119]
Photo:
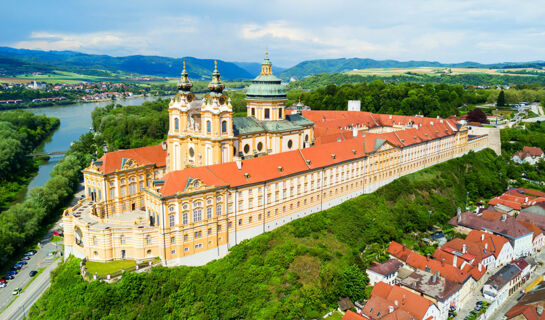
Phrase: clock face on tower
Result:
[222,100]
[190,97]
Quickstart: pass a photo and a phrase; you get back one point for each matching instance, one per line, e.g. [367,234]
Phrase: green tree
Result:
[501,99]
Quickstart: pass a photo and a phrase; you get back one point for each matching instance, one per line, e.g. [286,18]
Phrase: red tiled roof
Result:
[112,161]
[532,227]
[351,315]
[533,151]
[177,181]
[536,219]
[529,312]
[494,243]
[384,295]
[399,251]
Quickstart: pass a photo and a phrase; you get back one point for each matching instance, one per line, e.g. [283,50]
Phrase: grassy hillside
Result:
[313,67]
[296,271]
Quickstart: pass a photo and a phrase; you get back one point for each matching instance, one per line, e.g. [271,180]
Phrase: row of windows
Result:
[208,125]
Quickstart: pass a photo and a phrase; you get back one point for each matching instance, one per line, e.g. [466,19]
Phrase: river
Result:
[75,121]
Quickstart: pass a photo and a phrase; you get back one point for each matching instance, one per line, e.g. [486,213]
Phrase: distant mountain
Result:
[254,68]
[145,65]
[312,67]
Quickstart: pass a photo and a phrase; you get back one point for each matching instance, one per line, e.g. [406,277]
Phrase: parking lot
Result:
[42,259]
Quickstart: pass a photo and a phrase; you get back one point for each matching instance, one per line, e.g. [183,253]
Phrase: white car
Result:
[3,284]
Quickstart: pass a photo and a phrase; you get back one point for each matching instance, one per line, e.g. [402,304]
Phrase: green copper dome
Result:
[266,86]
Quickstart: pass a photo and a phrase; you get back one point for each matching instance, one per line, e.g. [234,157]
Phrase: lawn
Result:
[57,239]
[102,268]
[335,316]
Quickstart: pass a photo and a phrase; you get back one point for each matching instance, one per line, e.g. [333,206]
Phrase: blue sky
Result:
[294,31]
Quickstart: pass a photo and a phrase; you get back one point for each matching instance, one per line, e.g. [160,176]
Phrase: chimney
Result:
[486,245]
[354,132]
[390,309]
[434,277]
[239,163]
[454,260]
[459,219]
[403,301]
[480,265]
[464,248]
[482,237]
[503,217]
[395,302]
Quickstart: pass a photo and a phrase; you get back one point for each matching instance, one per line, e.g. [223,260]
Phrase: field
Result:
[444,71]
[58,76]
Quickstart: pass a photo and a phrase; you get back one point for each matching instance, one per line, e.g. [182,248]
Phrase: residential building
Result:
[444,293]
[389,302]
[530,307]
[494,250]
[506,281]
[502,224]
[383,272]
[529,155]
[534,214]
[538,239]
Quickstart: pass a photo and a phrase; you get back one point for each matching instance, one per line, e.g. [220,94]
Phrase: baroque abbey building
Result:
[218,180]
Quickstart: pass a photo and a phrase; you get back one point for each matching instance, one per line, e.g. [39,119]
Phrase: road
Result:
[44,258]
[20,307]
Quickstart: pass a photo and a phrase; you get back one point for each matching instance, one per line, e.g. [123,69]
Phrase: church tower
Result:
[178,114]
[217,123]
[200,132]
[266,97]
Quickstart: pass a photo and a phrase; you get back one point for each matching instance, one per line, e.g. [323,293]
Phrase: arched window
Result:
[208,126]
[224,126]
[176,123]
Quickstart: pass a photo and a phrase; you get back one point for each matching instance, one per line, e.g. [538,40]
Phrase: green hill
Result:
[297,271]
[26,61]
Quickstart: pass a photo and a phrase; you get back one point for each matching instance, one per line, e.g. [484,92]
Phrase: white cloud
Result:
[87,42]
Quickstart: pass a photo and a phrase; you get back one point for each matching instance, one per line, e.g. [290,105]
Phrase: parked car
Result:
[16,291]
[17,266]
[22,263]
[8,278]
[33,273]
[58,233]
[12,272]
[31,253]
[3,284]
[2,280]
[25,258]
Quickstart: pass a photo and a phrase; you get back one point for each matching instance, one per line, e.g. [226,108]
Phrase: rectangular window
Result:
[219,228]
[218,210]
[132,188]
[141,183]
[186,249]
[172,240]
[239,222]
[197,215]
[209,213]
[184,218]
[198,246]
[267,113]
[123,193]
[186,237]
[209,230]
[112,193]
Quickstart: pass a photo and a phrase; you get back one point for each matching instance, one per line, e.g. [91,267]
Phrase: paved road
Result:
[38,261]
[20,307]
[42,259]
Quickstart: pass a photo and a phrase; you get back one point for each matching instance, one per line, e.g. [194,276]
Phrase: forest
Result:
[404,98]
[20,133]
[296,271]
[124,127]
[23,224]
[474,79]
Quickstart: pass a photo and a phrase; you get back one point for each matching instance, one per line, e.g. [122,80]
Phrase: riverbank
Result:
[31,105]
[25,132]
